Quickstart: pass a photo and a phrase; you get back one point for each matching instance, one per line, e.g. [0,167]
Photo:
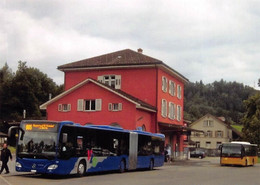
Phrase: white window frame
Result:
[219,134]
[111,80]
[208,133]
[208,123]
[208,144]
[172,111]
[164,84]
[218,143]
[64,107]
[172,88]
[196,134]
[164,108]
[179,91]
[115,107]
[81,106]
[179,113]
[197,144]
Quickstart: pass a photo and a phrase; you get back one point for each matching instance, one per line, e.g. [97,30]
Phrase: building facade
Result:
[215,132]
[126,89]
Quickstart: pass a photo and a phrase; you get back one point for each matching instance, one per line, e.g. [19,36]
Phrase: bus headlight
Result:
[18,165]
[53,167]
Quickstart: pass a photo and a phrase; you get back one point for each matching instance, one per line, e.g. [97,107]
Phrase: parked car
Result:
[197,153]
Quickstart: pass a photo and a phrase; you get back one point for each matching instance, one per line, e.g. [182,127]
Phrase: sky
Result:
[206,40]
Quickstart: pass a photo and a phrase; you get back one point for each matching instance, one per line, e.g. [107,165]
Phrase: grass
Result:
[238,127]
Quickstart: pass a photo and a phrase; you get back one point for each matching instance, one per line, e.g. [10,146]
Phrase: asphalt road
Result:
[193,172]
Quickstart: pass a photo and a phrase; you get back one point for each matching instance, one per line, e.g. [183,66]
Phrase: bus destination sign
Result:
[40,127]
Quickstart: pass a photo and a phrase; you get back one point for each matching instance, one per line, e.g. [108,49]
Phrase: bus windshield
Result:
[231,151]
[37,142]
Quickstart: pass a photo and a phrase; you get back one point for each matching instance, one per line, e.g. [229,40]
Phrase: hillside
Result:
[218,98]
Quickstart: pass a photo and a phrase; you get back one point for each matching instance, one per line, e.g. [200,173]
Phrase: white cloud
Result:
[203,40]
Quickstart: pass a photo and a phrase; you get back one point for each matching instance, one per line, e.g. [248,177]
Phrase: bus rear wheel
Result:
[122,166]
[81,168]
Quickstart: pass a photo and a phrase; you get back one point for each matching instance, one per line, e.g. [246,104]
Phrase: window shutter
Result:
[110,106]
[180,112]
[118,81]
[98,104]
[69,107]
[164,84]
[100,79]
[120,107]
[165,105]
[170,88]
[179,91]
[175,111]
[174,89]
[169,113]
[60,107]
[80,106]
[179,115]
[162,108]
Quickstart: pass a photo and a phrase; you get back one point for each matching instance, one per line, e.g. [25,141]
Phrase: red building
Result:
[126,89]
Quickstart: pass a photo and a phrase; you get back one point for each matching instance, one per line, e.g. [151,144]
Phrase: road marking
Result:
[5,180]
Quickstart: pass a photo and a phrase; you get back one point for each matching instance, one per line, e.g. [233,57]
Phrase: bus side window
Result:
[115,144]
[79,145]
[80,142]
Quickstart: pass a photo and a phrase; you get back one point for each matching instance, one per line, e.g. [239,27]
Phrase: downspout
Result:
[156,117]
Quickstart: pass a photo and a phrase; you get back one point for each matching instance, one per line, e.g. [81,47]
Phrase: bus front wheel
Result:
[151,165]
[246,163]
[81,168]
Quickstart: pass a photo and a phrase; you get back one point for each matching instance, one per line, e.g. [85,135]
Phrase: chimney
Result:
[140,50]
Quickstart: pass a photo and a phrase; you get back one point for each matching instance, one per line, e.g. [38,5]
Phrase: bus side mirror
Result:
[18,128]
[64,137]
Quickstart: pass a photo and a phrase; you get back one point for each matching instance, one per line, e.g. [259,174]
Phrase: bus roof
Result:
[239,143]
[101,127]
[111,128]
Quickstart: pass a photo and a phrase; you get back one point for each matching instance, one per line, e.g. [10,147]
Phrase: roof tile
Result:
[123,57]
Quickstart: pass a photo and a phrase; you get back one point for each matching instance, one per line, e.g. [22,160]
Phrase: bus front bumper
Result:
[232,161]
[36,166]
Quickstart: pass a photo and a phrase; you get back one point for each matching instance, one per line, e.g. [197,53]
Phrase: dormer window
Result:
[111,80]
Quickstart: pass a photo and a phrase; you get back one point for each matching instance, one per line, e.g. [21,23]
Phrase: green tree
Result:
[28,89]
[251,120]
[219,98]
[6,77]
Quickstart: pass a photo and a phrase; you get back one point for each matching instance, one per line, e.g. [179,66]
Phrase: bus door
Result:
[133,145]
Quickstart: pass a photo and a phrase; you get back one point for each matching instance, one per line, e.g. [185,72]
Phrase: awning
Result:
[166,127]
[3,134]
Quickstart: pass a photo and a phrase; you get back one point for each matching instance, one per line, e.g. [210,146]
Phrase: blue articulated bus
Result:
[49,147]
